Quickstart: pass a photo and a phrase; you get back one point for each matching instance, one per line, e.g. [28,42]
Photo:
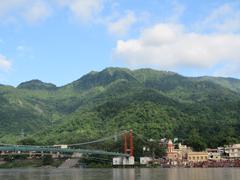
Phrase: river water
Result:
[120,174]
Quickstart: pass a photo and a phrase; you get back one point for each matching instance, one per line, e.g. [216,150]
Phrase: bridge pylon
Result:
[128,142]
[128,138]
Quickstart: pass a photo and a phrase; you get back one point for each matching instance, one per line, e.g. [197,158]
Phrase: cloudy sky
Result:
[58,41]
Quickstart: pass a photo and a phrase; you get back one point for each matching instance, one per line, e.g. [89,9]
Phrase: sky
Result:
[59,41]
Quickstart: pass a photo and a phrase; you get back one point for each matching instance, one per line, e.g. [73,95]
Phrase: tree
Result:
[196,141]
[47,160]
[158,150]
[27,141]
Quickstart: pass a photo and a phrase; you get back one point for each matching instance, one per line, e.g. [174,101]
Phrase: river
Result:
[121,174]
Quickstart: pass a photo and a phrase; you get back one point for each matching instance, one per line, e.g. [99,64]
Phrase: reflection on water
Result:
[191,174]
[129,174]
[120,174]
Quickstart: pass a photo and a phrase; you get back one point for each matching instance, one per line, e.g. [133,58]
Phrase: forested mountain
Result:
[37,85]
[201,111]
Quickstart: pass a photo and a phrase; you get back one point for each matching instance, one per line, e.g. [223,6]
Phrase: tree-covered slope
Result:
[154,103]
[37,85]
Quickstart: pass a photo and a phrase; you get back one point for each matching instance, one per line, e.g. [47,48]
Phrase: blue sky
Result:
[58,41]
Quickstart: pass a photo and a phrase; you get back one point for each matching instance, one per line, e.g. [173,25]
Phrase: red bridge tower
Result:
[130,136]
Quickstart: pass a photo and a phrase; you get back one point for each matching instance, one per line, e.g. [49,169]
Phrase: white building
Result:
[145,160]
[61,146]
[117,161]
[214,154]
[123,161]
[128,161]
[233,151]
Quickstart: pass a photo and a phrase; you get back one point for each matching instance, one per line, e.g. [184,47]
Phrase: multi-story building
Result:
[214,154]
[173,154]
[179,154]
[233,151]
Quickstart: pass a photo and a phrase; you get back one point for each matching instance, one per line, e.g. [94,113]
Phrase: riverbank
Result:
[47,162]
[30,163]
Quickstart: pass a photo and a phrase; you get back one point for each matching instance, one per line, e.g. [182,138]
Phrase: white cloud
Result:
[32,10]
[122,25]
[6,6]
[5,64]
[83,10]
[225,18]
[228,70]
[37,12]
[170,46]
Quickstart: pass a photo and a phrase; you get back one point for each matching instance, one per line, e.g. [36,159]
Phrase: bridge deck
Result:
[57,150]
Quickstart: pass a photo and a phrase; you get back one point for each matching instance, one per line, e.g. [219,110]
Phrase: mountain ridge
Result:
[166,73]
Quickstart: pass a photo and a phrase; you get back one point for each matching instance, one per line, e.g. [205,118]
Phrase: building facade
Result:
[145,160]
[233,151]
[172,154]
[123,161]
[179,154]
[197,156]
[214,154]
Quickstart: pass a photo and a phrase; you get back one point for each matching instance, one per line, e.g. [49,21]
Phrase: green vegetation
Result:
[47,160]
[22,160]
[24,163]
[201,111]
[21,164]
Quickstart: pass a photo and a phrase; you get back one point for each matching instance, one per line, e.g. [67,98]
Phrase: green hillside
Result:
[37,85]
[203,111]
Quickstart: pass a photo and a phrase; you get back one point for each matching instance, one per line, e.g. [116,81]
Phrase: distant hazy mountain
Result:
[154,103]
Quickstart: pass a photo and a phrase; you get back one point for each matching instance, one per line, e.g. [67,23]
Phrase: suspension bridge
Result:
[71,148]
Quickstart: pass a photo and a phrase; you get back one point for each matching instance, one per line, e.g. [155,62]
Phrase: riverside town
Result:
[178,155]
[173,154]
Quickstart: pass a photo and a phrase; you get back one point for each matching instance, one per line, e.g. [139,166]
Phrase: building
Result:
[117,161]
[145,160]
[233,151]
[221,151]
[179,154]
[197,156]
[172,154]
[183,149]
[123,161]
[61,146]
[214,154]
[128,161]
